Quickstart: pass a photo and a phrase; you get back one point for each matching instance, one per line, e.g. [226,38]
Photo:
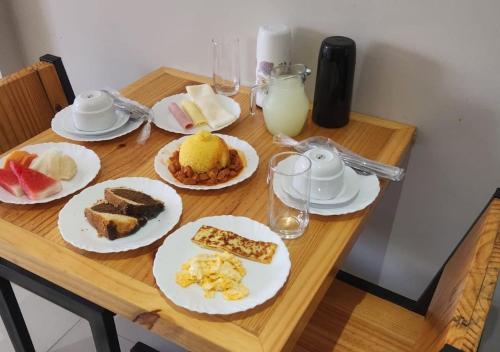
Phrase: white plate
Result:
[349,190]
[369,189]
[121,119]
[262,280]
[76,230]
[88,165]
[64,117]
[252,161]
[164,119]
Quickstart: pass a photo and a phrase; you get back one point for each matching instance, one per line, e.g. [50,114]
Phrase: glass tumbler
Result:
[289,216]
[226,66]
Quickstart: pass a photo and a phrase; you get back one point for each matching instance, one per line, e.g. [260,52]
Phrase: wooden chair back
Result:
[29,100]
[457,313]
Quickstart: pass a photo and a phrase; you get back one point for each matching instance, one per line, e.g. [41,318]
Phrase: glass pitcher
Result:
[285,105]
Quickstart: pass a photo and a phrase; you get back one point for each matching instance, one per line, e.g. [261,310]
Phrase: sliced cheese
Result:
[206,100]
[194,113]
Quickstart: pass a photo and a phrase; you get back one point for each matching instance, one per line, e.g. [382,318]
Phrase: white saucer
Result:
[369,189]
[64,121]
[164,119]
[69,126]
[349,190]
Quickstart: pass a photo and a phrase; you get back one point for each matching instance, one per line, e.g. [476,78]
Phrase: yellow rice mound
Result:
[203,151]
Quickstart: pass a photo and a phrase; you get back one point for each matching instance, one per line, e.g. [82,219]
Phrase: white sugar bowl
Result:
[327,173]
[93,111]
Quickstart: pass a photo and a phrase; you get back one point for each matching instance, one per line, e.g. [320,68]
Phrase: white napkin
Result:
[206,100]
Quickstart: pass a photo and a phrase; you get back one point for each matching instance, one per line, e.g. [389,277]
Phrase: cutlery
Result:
[136,110]
[361,165]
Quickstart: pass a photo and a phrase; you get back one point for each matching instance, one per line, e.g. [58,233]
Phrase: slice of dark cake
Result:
[109,221]
[132,202]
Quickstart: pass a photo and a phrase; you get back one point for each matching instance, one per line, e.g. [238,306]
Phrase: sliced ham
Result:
[35,184]
[180,116]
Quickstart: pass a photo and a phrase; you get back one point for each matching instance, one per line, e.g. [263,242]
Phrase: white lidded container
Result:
[93,111]
[327,173]
[273,48]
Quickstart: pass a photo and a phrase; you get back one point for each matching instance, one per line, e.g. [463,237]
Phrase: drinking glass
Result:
[288,216]
[226,69]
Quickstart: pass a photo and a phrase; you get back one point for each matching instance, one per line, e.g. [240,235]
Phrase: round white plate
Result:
[88,165]
[76,230]
[121,119]
[163,117]
[252,161]
[369,188]
[349,190]
[262,280]
[64,118]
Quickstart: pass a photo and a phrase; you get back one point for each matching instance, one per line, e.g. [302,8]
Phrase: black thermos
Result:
[334,80]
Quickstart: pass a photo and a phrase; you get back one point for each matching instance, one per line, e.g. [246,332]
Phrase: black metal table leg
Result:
[13,319]
[104,332]
[140,347]
[100,319]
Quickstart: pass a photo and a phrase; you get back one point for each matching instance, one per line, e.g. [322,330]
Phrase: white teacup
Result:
[327,173]
[93,111]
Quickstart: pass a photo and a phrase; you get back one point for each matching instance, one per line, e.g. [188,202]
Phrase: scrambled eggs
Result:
[214,272]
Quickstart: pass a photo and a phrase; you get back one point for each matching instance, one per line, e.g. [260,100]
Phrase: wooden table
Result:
[123,282]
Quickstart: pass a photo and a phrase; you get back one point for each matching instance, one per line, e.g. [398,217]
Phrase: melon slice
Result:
[35,184]
[9,181]
[26,160]
[19,156]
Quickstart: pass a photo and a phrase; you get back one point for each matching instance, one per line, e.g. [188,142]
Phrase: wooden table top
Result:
[124,283]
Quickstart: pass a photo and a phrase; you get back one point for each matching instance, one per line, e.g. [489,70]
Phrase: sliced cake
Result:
[109,221]
[9,181]
[132,202]
[35,184]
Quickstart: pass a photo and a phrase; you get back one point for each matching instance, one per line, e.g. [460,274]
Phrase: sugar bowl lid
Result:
[92,101]
[325,162]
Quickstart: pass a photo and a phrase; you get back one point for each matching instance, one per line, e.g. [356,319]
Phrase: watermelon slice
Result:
[35,184]
[9,181]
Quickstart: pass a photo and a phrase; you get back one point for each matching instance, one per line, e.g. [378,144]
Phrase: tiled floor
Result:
[54,329]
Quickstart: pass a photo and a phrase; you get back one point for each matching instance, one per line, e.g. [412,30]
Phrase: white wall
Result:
[11,58]
[430,63]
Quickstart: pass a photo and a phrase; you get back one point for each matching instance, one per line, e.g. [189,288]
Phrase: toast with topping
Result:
[213,238]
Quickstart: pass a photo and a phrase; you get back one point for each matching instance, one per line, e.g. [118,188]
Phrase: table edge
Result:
[35,259]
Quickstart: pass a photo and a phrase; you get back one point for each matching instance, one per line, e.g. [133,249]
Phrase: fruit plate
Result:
[164,119]
[252,161]
[178,248]
[76,230]
[88,164]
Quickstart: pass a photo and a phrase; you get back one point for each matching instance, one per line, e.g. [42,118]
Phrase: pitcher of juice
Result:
[286,105]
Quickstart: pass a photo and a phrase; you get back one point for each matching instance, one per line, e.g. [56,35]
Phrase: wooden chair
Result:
[350,319]
[30,98]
